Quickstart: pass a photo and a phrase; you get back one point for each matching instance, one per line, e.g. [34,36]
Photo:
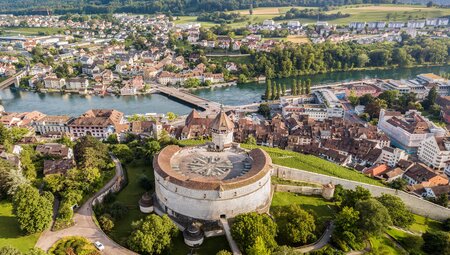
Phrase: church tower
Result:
[222,131]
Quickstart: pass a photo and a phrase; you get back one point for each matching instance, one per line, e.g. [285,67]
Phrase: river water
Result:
[15,100]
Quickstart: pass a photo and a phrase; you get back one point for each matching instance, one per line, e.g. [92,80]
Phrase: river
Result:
[15,100]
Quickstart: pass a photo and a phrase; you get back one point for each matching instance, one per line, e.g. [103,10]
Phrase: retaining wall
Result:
[416,204]
[304,190]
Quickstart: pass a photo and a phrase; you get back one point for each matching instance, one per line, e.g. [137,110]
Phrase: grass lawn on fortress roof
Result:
[313,164]
[10,233]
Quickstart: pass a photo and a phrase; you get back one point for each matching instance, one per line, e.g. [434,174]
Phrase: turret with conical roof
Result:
[222,128]
[193,115]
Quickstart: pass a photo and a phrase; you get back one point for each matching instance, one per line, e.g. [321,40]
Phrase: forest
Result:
[179,7]
[292,60]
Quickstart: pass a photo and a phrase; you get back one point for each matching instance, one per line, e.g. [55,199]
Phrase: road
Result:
[85,225]
[324,240]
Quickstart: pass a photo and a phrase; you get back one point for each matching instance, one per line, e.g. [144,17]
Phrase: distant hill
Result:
[153,6]
[424,2]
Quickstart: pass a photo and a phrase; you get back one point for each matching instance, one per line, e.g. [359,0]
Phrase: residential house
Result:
[55,150]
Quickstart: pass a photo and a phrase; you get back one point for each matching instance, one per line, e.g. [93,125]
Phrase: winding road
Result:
[85,225]
[324,240]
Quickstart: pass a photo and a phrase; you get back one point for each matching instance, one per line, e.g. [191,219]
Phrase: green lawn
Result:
[384,245]
[31,31]
[130,196]
[422,224]
[10,233]
[313,164]
[322,209]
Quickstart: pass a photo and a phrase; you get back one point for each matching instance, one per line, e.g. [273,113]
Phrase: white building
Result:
[77,83]
[416,24]
[409,130]
[54,83]
[58,124]
[435,152]
[391,156]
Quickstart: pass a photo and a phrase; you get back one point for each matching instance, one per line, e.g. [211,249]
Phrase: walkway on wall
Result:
[231,242]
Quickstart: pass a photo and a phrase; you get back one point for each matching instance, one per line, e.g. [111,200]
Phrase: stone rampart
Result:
[416,204]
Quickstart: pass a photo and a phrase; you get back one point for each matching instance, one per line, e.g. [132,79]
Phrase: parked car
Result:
[99,246]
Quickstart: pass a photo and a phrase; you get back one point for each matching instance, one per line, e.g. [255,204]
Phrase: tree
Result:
[247,227]
[294,89]
[350,197]
[401,57]
[123,152]
[90,152]
[264,110]
[446,224]
[11,178]
[152,147]
[431,98]
[374,107]
[35,251]
[117,210]
[250,140]
[9,250]
[296,226]
[308,86]
[192,83]
[171,116]
[258,248]
[112,139]
[242,78]
[430,4]
[399,184]
[374,218]
[400,215]
[106,222]
[354,100]
[34,212]
[346,234]
[362,60]
[436,242]
[279,91]
[152,235]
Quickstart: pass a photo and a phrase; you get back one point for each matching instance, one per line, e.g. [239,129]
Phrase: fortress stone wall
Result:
[416,204]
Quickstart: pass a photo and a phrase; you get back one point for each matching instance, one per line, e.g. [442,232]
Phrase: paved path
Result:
[233,245]
[85,225]
[324,240]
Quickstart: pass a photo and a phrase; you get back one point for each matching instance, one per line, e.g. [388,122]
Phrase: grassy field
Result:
[363,13]
[314,164]
[130,196]
[27,31]
[384,245]
[10,233]
[322,209]
[422,224]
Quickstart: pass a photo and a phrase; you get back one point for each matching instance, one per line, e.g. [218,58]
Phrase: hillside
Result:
[178,7]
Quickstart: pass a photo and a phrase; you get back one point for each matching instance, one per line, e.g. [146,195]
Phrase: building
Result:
[47,124]
[391,156]
[99,123]
[77,83]
[418,173]
[320,105]
[435,152]
[409,130]
[54,83]
[206,184]
[55,150]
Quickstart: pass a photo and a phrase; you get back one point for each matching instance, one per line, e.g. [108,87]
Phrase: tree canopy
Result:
[295,225]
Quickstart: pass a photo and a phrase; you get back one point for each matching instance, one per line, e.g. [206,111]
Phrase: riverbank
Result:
[241,94]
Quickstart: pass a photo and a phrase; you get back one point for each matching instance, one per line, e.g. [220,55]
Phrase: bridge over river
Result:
[188,98]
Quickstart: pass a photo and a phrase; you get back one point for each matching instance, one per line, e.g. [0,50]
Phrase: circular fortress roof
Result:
[198,168]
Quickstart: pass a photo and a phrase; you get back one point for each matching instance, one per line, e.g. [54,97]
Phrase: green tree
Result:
[308,86]
[90,152]
[224,252]
[294,89]
[242,78]
[152,147]
[123,152]
[106,223]
[34,212]
[264,110]
[279,91]
[401,57]
[250,140]
[400,215]
[9,250]
[296,226]
[362,60]
[112,139]
[436,242]
[258,248]
[374,217]
[431,98]
[171,116]
[247,227]
[35,251]
[346,234]
[192,83]
[350,197]
[152,235]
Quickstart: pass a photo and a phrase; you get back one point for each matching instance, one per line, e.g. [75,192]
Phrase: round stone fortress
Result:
[212,181]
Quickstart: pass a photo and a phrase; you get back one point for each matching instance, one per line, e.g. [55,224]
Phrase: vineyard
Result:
[313,164]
